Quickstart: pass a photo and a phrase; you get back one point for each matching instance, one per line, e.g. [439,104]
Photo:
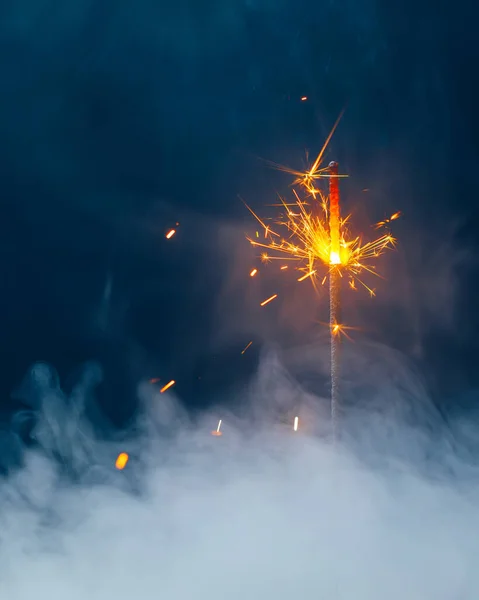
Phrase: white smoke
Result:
[259,512]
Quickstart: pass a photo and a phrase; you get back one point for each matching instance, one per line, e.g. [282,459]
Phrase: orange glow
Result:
[253,272]
[154,380]
[304,98]
[315,235]
[268,300]
[334,219]
[284,267]
[386,222]
[338,329]
[167,386]
[246,347]
[170,234]
[217,432]
[121,461]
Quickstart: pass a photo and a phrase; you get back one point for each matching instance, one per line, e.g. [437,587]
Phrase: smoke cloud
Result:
[258,512]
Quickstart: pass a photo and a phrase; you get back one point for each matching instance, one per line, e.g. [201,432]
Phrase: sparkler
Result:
[312,234]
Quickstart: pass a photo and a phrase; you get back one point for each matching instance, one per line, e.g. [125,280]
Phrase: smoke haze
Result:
[259,512]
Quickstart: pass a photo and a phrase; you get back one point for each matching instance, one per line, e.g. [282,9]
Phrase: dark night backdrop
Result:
[119,118]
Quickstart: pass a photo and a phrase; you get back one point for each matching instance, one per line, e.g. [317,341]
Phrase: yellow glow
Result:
[121,461]
[334,258]
[304,236]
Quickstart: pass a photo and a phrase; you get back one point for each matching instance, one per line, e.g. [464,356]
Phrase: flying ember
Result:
[121,461]
[167,386]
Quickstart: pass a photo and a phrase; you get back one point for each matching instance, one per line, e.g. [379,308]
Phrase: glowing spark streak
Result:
[304,98]
[167,386]
[296,423]
[268,300]
[246,347]
[121,461]
[284,267]
[310,274]
[317,162]
[393,217]
[253,272]
[170,234]
[217,431]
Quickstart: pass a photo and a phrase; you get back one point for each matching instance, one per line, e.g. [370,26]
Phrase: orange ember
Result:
[167,386]
[268,300]
[121,461]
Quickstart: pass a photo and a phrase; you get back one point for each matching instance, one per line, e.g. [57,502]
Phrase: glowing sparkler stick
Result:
[334,289]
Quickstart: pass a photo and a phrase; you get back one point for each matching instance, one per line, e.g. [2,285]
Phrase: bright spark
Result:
[121,461]
[170,234]
[296,423]
[268,300]
[386,222]
[246,347]
[340,329]
[217,431]
[253,272]
[167,386]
